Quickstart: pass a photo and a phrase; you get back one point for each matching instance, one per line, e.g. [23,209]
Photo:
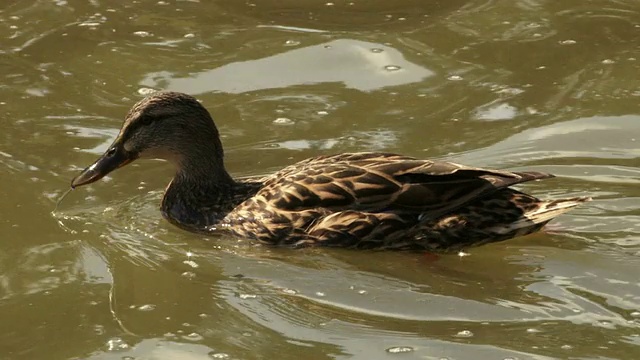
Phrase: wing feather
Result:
[382,182]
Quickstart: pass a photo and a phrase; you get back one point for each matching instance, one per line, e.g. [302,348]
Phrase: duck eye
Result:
[146,120]
[111,152]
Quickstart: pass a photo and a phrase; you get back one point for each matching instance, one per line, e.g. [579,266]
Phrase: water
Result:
[542,85]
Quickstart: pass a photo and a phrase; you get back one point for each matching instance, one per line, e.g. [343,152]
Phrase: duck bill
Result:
[108,162]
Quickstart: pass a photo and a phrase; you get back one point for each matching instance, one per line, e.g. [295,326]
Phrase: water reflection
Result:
[610,137]
[354,64]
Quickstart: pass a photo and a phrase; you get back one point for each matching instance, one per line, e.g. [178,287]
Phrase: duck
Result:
[360,200]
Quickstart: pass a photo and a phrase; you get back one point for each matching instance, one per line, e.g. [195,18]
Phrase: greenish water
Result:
[542,85]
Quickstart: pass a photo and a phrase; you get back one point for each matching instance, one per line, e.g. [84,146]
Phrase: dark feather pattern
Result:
[381,200]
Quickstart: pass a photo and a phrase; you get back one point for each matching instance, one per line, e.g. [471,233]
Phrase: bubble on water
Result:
[247,296]
[99,329]
[567,42]
[117,344]
[191,263]
[189,274]
[454,77]
[605,324]
[608,61]
[392,68]
[218,355]
[146,91]
[283,121]
[464,333]
[193,337]
[142,33]
[399,349]
[147,307]
[376,50]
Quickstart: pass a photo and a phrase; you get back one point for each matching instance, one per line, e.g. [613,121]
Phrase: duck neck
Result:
[199,195]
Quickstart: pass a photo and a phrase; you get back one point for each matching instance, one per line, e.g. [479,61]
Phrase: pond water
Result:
[528,84]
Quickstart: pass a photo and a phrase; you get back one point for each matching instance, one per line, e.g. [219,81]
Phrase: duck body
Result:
[358,200]
[372,201]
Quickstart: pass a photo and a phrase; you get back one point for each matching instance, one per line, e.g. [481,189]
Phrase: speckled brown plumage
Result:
[356,200]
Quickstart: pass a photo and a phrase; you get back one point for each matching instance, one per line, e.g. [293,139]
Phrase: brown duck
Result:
[356,200]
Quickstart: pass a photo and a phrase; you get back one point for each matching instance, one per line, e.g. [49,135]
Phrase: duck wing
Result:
[382,182]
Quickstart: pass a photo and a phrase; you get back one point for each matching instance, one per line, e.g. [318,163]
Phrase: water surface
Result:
[542,85]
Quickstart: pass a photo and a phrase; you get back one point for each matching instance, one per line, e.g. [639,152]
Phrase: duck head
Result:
[166,125]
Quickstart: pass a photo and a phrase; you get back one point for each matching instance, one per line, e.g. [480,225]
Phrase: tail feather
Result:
[505,215]
[534,219]
[550,209]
